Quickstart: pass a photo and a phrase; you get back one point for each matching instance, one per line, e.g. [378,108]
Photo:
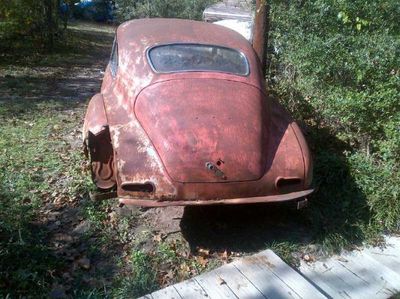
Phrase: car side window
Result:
[114,59]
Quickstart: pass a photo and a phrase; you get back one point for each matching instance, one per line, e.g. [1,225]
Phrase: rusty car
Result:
[183,118]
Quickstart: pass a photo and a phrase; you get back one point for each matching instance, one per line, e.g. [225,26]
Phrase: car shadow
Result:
[243,228]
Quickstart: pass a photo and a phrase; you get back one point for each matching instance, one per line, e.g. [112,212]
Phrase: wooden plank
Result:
[237,282]
[382,281]
[353,285]
[350,277]
[384,259]
[190,289]
[344,280]
[264,280]
[388,256]
[214,286]
[372,272]
[167,293]
[289,276]
[325,281]
[360,274]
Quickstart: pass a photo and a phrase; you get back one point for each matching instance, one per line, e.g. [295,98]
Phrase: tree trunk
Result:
[260,33]
[50,23]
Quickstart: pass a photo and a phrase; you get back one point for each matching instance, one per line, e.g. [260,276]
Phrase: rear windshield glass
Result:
[194,57]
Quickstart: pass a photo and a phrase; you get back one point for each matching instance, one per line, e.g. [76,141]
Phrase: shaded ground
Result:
[96,248]
[62,76]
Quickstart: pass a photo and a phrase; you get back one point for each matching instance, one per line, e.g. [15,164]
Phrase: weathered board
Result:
[369,273]
[388,256]
[190,289]
[263,275]
[169,292]
[229,277]
[262,278]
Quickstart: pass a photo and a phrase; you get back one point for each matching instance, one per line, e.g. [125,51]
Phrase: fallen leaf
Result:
[168,277]
[203,252]
[157,238]
[202,261]
[185,268]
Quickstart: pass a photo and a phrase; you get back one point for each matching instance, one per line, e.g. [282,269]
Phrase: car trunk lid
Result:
[206,130]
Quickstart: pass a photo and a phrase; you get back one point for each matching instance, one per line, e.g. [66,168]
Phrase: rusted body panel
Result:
[193,137]
[190,129]
[98,143]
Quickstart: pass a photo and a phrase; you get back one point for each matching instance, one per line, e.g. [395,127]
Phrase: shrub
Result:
[185,9]
[28,22]
[336,66]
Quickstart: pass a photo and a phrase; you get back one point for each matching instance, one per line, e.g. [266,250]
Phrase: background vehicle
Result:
[96,10]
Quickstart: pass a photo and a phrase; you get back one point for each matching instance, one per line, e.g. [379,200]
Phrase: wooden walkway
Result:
[371,272]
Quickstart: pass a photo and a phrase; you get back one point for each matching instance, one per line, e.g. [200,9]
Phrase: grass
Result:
[43,176]
[44,186]
[33,156]
[151,270]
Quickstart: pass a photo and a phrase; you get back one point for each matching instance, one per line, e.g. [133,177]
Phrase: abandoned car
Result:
[183,118]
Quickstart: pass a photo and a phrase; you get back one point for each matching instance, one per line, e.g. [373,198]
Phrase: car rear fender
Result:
[307,158]
[95,118]
[97,144]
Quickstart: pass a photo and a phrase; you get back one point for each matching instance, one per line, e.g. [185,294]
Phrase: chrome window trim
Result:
[114,64]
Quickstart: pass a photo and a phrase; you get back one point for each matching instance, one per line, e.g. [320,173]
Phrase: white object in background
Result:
[245,28]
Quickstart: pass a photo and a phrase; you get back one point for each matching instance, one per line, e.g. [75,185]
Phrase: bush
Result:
[28,23]
[336,66]
[184,9]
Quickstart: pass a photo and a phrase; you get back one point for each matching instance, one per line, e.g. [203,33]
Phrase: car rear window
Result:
[196,58]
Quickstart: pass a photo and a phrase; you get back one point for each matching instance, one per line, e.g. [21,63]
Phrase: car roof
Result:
[137,36]
[151,32]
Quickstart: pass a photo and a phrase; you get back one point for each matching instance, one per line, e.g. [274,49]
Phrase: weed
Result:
[286,251]
[41,166]
[143,279]
[152,269]
[30,165]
